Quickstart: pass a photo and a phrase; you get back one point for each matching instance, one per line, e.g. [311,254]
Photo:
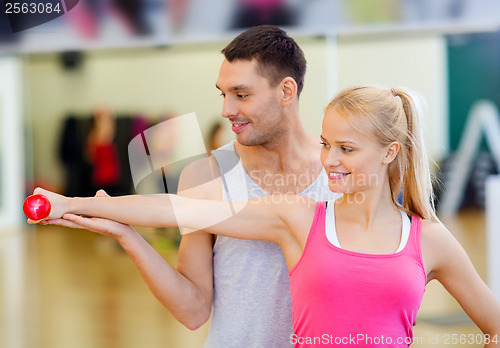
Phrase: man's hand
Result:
[102,226]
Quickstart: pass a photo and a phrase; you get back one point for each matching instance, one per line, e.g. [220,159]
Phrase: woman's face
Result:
[354,161]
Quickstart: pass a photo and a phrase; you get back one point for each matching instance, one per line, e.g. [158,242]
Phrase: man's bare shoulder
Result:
[201,179]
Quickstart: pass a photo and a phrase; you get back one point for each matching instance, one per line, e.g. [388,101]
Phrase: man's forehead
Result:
[238,74]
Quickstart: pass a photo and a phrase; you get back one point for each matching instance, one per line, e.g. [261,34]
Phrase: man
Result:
[245,282]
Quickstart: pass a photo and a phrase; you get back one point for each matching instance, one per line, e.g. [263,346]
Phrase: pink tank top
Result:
[340,297]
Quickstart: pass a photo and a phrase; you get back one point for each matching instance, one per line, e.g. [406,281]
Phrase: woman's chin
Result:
[337,189]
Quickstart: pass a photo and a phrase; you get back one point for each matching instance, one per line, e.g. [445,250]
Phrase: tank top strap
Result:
[235,186]
[414,245]
[414,238]
[315,233]
[318,224]
[226,157]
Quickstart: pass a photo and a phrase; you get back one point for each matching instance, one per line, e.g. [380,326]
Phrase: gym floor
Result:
[78,289]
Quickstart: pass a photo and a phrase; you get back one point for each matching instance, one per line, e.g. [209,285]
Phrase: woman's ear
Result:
[391,152]
[289,90]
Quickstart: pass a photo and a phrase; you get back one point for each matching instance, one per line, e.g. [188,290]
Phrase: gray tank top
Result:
[252,306]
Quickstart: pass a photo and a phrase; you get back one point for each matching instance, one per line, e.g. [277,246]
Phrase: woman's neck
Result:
[369,207]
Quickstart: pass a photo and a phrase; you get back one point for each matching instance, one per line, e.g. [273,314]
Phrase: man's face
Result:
[251,105]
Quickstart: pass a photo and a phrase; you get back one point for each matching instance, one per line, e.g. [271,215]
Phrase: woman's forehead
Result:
[339,126]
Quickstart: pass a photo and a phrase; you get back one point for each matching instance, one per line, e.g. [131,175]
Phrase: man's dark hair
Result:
[277,55]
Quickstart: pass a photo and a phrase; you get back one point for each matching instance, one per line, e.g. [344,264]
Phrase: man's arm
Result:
[267,218]
[195,260]
[186,292]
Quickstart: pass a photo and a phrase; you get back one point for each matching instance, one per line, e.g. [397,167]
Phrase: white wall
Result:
[11,143]
[415,61]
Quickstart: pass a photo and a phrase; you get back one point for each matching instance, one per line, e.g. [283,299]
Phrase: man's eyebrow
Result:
[234,88]
[239,88]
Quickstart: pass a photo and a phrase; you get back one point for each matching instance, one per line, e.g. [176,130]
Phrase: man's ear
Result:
[391,152]
[288,90]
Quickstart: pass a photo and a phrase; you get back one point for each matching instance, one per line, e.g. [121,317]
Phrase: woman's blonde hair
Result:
[394,115]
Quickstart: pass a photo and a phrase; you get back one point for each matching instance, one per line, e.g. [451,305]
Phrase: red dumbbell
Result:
[36,207]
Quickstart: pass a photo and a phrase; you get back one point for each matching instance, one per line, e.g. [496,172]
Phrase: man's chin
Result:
[245,141]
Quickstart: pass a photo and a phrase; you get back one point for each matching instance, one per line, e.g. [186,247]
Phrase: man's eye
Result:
[242,96]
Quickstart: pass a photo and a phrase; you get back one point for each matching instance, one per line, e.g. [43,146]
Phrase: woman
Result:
[358,266]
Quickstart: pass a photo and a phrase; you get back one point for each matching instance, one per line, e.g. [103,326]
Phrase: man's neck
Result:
[295,157]
[293,147]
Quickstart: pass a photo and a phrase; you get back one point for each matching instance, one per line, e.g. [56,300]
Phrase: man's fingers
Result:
[38,190]
[74,217]
[62,222]
[35,222]
[87,223]
[59,222]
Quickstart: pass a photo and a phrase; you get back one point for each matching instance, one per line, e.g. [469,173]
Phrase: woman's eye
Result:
[325,145]
[345,149]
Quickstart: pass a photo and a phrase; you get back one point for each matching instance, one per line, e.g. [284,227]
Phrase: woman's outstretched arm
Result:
[266,218]
[450,265]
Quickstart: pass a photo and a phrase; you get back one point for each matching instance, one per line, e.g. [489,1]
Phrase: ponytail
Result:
[418,194]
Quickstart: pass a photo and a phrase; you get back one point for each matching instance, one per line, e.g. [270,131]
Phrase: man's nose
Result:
[229,108]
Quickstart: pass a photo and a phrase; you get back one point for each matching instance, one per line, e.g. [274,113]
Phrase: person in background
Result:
[102,152]
[216,136]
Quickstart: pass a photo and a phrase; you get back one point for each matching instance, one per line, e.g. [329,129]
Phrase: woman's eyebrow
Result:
[345,142]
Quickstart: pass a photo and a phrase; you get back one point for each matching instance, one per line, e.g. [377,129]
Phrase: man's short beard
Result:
[262,139]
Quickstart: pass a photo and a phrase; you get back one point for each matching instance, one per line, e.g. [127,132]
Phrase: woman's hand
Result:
[58,204]
[102,226]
